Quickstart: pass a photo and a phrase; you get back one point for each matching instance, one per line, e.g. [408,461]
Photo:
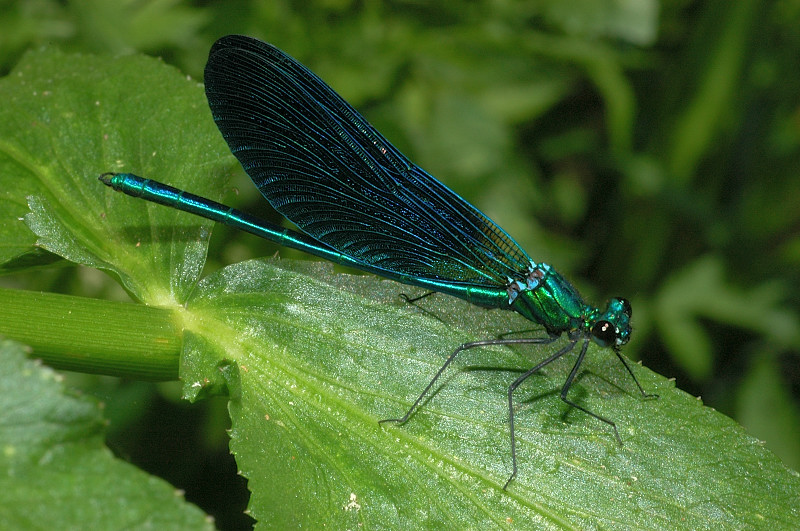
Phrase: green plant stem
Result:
[92,335]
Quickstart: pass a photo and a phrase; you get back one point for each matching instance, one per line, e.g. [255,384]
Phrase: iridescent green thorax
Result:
[544,296]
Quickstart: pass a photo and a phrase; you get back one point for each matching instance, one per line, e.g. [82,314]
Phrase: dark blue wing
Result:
[319,163]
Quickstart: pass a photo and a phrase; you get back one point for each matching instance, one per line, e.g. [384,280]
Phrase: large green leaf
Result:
[56,471]
[313,360]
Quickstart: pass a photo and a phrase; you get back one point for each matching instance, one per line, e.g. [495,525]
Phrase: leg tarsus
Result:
[635,380]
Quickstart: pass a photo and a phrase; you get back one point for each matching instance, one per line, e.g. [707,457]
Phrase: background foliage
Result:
[645,149]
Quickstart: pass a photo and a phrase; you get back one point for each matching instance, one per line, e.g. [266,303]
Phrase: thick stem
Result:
[92,335]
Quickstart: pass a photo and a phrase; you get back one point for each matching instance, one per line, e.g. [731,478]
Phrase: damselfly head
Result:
[613,328]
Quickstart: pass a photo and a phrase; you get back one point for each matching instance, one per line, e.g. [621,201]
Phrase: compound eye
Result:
[604,333]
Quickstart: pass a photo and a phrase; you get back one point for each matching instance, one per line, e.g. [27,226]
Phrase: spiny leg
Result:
[568,384]
[571,378]
[628,368]
[564,390]
[452,356]
[566,348]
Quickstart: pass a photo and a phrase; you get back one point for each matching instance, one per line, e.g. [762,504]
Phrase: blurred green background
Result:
[645,149]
